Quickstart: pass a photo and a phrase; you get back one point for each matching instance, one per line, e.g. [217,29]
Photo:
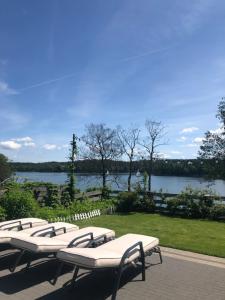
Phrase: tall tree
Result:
[129,139]
[71,172]
[154,139]
[103,144]
[5,169]
[212,150]
[213,144]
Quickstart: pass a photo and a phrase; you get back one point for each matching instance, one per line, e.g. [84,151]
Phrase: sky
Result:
[66,63]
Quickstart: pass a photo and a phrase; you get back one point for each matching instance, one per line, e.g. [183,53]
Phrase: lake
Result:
[169,184]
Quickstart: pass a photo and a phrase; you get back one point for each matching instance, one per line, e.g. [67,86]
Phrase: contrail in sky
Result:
[46,82]
[145,54]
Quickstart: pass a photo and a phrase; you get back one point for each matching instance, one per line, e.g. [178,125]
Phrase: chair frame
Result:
[119,269]
[19,226]
[74,243]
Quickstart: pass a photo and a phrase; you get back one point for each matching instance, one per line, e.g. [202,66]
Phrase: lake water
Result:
[170,184]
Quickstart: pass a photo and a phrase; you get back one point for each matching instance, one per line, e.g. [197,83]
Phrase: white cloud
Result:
[29,144]
[10,145]
[189,129]
[198,140]
[175,152]
[182,139]
[50,146]
[164,155]
[6,90]
[25,139]
[65,146]
[191,145]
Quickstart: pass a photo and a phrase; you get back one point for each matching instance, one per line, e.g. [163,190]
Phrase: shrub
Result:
[197,203]
[145,204]
[217,212]
[2,214]
[18,203]
[173,205]
[127,201]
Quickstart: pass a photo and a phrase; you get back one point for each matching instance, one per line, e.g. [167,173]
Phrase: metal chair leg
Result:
[18,259]
[58,272]
[76,270]
[160,255]
[143,267]
[117,283]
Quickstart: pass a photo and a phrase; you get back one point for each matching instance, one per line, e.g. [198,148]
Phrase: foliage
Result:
[192,203]
[106,192]
[127,201]
[213,145]
[145,204]
[75,208]
[5,168]
[2,214]
[161,167]
[71,173]
[18,203]
[174,205]
[217,212]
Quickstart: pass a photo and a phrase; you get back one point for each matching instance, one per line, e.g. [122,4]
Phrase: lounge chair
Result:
[20,224]
[89,236]
[50,228]
[116,255]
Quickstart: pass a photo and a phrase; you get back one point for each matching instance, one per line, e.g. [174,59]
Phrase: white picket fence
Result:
[76,217]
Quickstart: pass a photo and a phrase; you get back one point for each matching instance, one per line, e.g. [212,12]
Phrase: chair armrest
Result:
[98,241]
[53,232]
[75,242]
[51,228]
[11,223]
[28,223]
[128,253]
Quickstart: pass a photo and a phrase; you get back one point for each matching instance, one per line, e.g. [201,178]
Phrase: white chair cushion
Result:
[35,222]
[46,244]
[109,254]
[6,235]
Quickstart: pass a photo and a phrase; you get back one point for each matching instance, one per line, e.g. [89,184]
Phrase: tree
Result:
[101,143]
[71,172]
[212,150]
[154,139]
[213,144]
[5,169]
[129,139]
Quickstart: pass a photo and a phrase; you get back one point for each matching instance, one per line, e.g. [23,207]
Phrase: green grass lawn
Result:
[207,237]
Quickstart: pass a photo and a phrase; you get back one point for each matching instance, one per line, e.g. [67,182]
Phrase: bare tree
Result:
[154,139]
[129,140]
[101,143]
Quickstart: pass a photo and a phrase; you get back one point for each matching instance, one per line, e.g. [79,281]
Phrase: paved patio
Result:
[183,275]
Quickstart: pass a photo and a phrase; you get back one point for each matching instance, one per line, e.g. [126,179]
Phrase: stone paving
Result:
[177,278]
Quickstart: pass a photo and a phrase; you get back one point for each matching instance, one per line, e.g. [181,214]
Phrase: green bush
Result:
[2,214]
[192,203]
[217,212]
[173,205]
[18,203]
[127,201]
[145,204]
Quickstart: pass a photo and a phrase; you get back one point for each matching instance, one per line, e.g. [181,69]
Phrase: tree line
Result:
[169,167]
[103,149]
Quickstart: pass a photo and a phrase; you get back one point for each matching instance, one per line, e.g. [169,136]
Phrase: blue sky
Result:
[64,64]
